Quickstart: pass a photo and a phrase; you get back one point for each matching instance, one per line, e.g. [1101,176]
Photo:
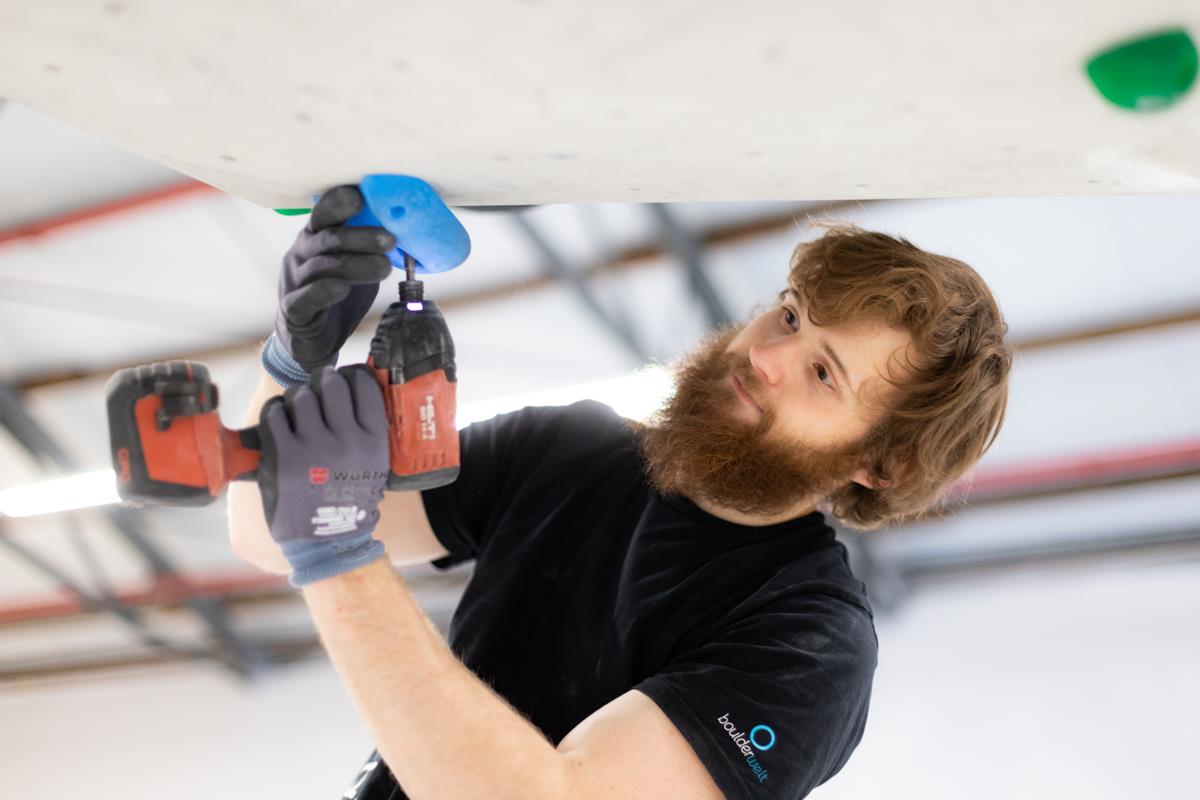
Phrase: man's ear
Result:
[864,477]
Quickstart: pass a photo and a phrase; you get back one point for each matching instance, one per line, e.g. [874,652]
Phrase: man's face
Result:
[772,415]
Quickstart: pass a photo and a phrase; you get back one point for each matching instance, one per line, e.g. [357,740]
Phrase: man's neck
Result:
[757,520]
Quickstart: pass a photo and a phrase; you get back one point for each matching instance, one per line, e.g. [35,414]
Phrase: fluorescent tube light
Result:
[85,490]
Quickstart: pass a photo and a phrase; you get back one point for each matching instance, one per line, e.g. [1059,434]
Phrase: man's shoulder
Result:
[816,616]
[552,439]
[822,579]
[581,412]
[583,422]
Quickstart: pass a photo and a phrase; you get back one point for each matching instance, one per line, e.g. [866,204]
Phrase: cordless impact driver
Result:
[168,443]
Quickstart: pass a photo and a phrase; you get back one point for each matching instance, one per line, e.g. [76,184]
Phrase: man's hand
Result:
[330,277]
[323,471]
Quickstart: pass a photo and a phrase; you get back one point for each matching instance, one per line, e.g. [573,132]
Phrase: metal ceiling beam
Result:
[891,578]
[629,259]
[102,601]
[438,593]
[243,586]
[1049,341]
[690,249]
[923,565]
[556,265]
[94,213]
[1063,474]
[239,654]
[32,436]
[238,584]
[48,668]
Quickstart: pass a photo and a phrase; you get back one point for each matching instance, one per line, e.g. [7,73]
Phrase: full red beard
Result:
[696,447]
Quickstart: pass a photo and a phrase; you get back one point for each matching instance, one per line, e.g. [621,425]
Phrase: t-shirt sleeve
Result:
[775,703]
[495,457]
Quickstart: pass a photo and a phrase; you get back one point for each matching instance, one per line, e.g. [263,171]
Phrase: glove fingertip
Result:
[267,407]
[385,239]
[369,408]
[336,206]
[372,393]
[385,269]
[272,418]
[320,375]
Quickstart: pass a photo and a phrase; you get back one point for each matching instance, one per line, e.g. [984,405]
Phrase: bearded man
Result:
[656,610]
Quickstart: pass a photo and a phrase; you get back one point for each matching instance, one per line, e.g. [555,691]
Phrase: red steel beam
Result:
[168,590]
[1002,481]
[1096,469]
[122,205]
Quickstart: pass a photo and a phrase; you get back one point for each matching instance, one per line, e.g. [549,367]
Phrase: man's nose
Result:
[766,363]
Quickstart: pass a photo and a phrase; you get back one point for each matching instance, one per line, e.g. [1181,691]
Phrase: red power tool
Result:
[169,446]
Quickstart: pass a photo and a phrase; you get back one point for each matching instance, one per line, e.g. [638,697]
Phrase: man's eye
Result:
[822,374]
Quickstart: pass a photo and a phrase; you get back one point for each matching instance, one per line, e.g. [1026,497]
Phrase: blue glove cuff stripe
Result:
[316,560]
[280,365]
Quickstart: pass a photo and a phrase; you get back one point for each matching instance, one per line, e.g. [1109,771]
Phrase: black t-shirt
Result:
[757,642]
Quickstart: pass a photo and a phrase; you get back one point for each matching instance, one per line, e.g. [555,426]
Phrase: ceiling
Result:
[620,102]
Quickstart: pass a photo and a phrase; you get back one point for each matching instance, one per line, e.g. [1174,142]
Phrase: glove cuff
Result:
[281,366]
[314,560]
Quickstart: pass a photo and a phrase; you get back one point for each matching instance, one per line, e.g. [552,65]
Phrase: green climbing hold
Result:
[1146,73]
[293,212]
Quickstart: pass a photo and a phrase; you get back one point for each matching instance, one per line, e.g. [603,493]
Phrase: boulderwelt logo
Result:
[760,739]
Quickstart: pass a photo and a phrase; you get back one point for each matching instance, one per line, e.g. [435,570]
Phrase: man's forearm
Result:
[248,533]
[441,730]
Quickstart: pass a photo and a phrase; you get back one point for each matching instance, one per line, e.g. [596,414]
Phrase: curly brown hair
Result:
[947,410]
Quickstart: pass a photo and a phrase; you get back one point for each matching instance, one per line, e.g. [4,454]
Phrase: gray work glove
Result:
[323,471]
[330,278]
